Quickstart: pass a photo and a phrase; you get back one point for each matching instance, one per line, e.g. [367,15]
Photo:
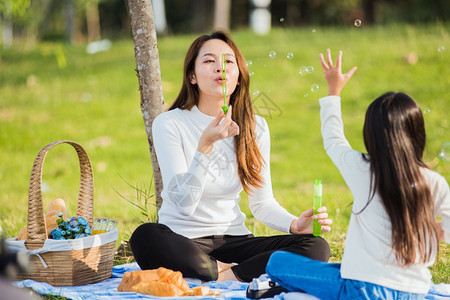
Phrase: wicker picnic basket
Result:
[65,262]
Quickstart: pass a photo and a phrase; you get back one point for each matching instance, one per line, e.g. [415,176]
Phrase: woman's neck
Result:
[210,106]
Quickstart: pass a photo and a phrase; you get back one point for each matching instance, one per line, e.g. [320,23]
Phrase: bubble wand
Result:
[317,227]
[224,84]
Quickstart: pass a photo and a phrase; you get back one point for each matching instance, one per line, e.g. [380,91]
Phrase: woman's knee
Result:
[322,249]
[314,247]
[146,233]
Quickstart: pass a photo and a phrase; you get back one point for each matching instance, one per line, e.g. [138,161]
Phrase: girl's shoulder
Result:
[434,179]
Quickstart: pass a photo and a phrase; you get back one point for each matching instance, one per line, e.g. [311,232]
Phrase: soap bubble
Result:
[249,63]
[272,54]
[281,20]
[303,71]
[290,55]
[357,23]
[86,97]
[310,69]
[426,110]
[314,88]
[45,187]
[305,95]
[255,92]
[269,90]
[251,73]
[441,48]
[445,152]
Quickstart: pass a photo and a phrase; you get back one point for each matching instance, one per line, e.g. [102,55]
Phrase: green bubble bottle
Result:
[317,227]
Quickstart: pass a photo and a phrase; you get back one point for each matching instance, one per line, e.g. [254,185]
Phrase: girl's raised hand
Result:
[221,127]
[333,74]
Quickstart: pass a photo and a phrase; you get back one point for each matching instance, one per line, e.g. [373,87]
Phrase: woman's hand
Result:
[333,74]
[221,127]
[304,223]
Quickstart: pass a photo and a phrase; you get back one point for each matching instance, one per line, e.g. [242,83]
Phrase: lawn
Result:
[53,91]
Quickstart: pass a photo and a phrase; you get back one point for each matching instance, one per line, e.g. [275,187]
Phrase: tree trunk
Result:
[93,21]
[222,10]
[369,11]
[160,17]
[149,75]
[7,28]
[70,24]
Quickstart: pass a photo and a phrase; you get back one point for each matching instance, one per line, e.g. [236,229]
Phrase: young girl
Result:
[392,238]
[206,159]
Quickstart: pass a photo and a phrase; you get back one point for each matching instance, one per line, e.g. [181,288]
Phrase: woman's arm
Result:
[261,200]
[263,204]
[184,180]
[221,127]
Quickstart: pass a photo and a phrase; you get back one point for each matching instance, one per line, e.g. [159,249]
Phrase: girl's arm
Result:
[333,74]
[330,113]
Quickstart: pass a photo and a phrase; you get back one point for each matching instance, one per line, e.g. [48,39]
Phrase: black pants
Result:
[155,245]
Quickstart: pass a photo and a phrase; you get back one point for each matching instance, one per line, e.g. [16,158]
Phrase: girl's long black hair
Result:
[394,136]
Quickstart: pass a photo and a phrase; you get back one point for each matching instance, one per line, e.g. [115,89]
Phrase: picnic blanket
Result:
[230,290]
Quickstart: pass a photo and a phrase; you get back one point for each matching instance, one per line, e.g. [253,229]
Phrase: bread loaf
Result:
[23,233]
[160,282]
[55,207]
[157,288]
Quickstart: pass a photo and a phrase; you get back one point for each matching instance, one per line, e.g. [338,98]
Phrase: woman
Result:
[206,159]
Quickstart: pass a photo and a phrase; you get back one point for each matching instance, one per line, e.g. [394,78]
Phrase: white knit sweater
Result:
[201,192]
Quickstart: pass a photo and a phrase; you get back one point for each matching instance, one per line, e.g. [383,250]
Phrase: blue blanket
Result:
[231,290]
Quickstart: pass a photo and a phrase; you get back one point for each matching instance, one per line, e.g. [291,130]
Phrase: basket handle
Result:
[85,207]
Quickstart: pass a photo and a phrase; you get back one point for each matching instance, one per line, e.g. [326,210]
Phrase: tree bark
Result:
[222,10]
[70,16]
[369,7]
[93,21]
[149,74]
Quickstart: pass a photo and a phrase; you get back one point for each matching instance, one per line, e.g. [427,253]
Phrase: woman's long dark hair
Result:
[250,160]
[394,136]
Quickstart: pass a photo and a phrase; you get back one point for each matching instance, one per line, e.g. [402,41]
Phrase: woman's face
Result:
[208,73]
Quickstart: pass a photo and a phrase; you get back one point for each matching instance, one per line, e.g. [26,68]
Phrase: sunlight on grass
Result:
[94,101]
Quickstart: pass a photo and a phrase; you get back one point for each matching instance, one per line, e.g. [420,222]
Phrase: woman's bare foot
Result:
[221,266]
[226,275]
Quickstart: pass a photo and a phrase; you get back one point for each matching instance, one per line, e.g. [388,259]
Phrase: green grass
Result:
[94,100]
